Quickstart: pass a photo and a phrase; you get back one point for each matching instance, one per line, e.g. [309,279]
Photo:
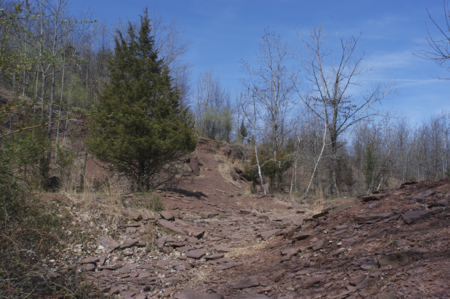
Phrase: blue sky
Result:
[224,32]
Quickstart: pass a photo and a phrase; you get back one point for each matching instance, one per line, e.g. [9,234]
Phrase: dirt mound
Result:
[215,240]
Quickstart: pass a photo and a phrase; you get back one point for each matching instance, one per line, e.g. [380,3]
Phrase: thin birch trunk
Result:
[318,160]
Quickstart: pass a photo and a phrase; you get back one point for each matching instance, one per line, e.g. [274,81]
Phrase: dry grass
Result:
[251,249]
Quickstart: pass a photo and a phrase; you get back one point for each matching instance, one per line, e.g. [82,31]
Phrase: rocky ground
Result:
[215,241]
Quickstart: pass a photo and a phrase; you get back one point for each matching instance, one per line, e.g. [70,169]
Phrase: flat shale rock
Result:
[222,248]
[126,268]
[193,232]
[309,282]
[128,243]
[206,215]
[268,234]
[197,295]
[372,216]
[251,296]
[355,280]
[90,260]
[320,244]
[369,265]
[371,197]
[88,267]
[214,256]
[226,266]
[196,254]
[413,216]
[160,242]
[301,236]
[170,226]
[167,215]
[394,260]
[247,283]
[133,215]
[297,220]
[108,243]
[422,196]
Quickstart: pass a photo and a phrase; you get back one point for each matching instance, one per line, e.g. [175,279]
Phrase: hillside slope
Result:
[215,240]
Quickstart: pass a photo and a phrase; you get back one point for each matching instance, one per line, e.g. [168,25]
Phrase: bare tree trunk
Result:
[317,162]
[59,117]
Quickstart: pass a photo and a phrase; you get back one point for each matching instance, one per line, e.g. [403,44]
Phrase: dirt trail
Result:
[214,241]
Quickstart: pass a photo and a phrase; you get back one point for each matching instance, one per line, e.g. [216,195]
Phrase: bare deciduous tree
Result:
[329,97]
[439,47]
[270,87]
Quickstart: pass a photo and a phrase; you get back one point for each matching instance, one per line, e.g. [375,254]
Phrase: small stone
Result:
[169,225]
[267,234]
[134,215]
[247,283]
[363,284]
[394,260]
[313,280]
[128,243]
[197,295]
[90,260]
[160,242]
[214,256]
[369,266]
[413,216]
[301,236]
[167,215]
[196,254]
[108,243]
[192,232]
[355,280]
[222,248]
[89,267]
[319,244]
[297,220]
[226,266]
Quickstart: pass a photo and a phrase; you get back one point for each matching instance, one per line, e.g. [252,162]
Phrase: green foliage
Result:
[216,125]
[242,132]
[138,125]
[344,173]
[155,203]
[269,168]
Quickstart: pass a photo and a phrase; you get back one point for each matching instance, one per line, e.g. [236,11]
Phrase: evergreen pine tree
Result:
[243,132]
[139,126]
